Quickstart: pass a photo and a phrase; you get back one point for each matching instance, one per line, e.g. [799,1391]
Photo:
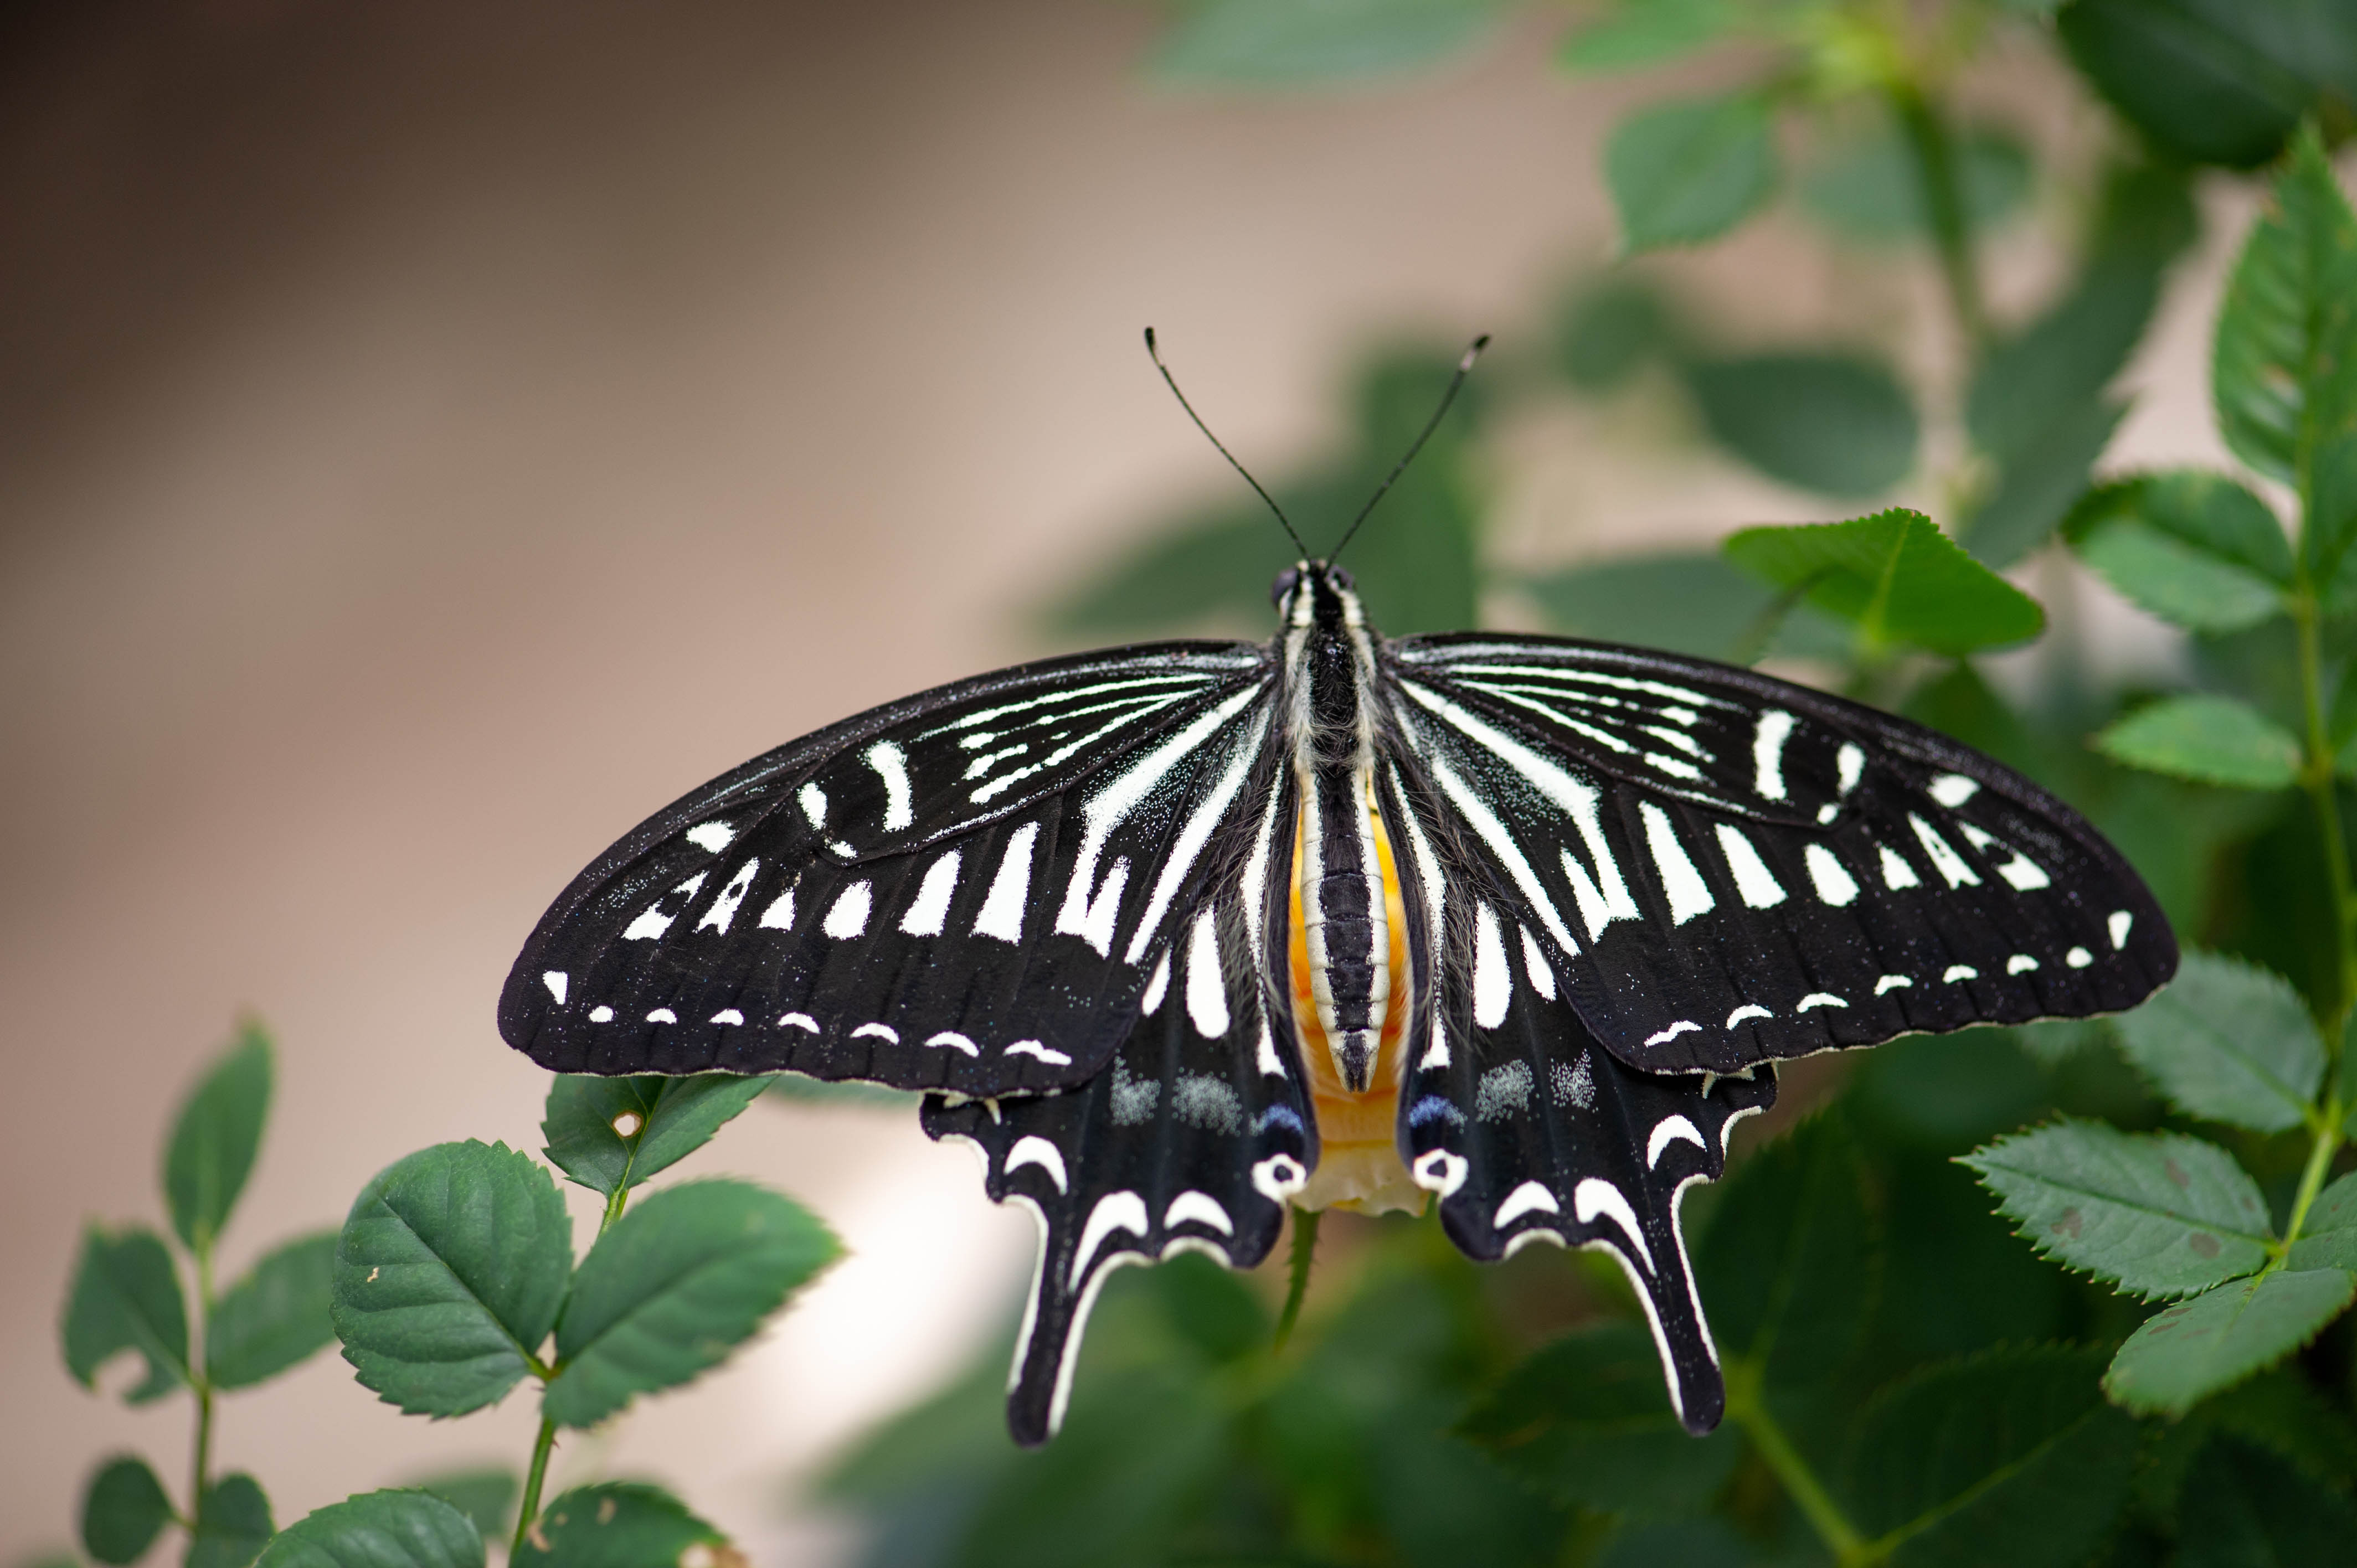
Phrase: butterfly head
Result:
[1315,593]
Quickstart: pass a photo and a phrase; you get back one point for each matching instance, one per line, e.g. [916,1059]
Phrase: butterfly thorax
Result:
[1339,869]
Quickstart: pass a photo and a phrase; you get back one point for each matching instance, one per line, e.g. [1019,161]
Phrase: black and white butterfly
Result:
[1182,934]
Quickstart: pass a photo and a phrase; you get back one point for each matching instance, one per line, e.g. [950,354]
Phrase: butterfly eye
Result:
[1339,578]
[1286,582]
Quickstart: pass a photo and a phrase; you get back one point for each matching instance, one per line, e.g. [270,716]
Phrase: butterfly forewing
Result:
[1525,1124]
[964,891]
[1738,870]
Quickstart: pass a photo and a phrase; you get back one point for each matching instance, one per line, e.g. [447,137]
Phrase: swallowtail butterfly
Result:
[1179,935]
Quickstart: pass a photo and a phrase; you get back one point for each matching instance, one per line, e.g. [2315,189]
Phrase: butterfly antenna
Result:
[1464,369]
[1156,355]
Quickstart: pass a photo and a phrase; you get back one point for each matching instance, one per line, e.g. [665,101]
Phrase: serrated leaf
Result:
[2208,738]
[672,1287]
[123,1509]
[1646,32]
[2011,1457]
[616,1525]
[2176,582]
[449,1274]
[2216,81]
[215,1138]
[2189,1350]
[126,1296]
[232,1525]
[2161,1214]
[668,1118]
[275,1315]
[2243,1508]
[2037,485]
[1894,576]
[1280,43]
[2284,373]
[1839,425]
[393,1528]
[1586,1421]
[2230,1042]
[1688,171]
[1870,190]
[1786,1266]
[487,1497]
[1699,604]
[2328,1238]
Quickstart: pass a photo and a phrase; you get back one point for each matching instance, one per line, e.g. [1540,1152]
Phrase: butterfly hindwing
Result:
[1526,1127]
[1742,870]
[1194,1138]
[869,903]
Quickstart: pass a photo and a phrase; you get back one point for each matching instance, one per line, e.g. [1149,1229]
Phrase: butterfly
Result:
[1181,935]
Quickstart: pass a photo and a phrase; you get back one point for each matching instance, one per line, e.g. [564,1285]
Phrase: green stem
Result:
[2318,775]
[1748,1411]
[1305,1247]
[200,1461]
[528,1511]
[2327,1134]
[614,1201]
[1943,204]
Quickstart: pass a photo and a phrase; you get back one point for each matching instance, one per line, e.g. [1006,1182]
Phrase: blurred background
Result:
[432,436]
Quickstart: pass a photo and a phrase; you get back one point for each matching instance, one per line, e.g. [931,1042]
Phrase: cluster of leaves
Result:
[452,1281]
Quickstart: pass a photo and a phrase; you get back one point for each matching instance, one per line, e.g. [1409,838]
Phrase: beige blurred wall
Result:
[434,436]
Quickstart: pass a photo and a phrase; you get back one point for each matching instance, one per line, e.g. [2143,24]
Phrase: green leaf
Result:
[1698,603]
[2035,489]
[1612,330]
[798,1088]
[274,1316]
[215,1140]
[1836,424]
[2286,357]
[124,1511]
[2011,1457]
[2218,82]
[2243,1508]
[2328,1238]
[487,1497]
[1211,1309]
[2181,585]
[667,1119]
[2209,739]
[449,1274]
[1786,1266]
[232,1525]
[2189,1352]
[618,1525]
[2161,1214]
[1282,43]
[1647,32]
[400,1529]
[1897,578]
[1870,190]
[1688,171]
[1685,1542]
[1586,1421]
[2229,1042]
[125,1296]
[672,1287]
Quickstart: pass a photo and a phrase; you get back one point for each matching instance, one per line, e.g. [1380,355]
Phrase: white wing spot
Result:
[951,1039]
[1819,999]
[1439,1171]
[2078,958]
[724,908]
[1535,965]
[813,803]
[1768,752]
[1829,876]
[780,914]
[1749,1010]
[2118,924]
[1596,1196]
[652,922]
[848,918]
[557,981]
[1682,1027]
[1689,895]
[1265,1056]
[1034,1048]
[1957,972]
[1849,762]
[1278,1177]
[1093,919]
[1158,983]
[1202,1208]
[1114,1211]
[1896,873]
[1530,1197]
[885,1032]
[712,836]
[931,911]
[662,1015]
[1437,1054]
[1207,992]
[1493,984]
[1036,1151]
[1944,858]
[1671,1130]
[801,1021]
[1752,878]
[1002,910]
[1891,983]
[2025,874]
[891,765]
[2020,963]
[1953,789]
[601,1015]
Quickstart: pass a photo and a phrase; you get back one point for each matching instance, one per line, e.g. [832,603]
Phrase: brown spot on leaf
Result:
[605,1510]
[2203,1244]
[2170,1169]
[2070,1224]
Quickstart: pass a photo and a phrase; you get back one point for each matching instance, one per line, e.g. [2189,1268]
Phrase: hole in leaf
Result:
[629,1123]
